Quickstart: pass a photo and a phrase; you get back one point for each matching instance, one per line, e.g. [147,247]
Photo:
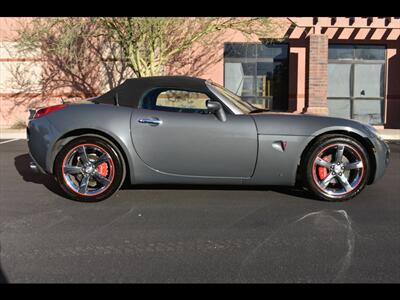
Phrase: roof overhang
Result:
[373,28]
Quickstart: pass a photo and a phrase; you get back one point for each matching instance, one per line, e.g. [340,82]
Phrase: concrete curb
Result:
[389,134]
[6,134]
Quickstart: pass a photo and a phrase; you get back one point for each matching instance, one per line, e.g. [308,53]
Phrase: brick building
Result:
[339,66]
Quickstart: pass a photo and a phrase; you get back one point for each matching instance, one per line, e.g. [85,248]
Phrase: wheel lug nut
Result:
[340,174]
[333,173]
[342,168]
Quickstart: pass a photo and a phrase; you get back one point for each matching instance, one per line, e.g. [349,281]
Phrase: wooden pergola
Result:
[373,28]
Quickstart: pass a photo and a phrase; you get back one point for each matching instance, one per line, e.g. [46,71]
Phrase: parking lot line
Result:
[9,141]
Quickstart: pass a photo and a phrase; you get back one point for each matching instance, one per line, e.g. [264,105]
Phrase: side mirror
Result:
[215,108]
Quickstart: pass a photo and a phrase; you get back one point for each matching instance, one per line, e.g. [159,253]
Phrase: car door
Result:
[176,135]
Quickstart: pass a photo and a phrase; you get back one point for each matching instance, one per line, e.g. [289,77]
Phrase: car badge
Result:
[284,145]
[279,145]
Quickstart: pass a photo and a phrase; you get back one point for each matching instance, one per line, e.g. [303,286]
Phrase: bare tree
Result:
[82,57]
[151,44]
[76,59]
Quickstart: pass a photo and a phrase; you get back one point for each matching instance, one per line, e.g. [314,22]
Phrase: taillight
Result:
[44,111]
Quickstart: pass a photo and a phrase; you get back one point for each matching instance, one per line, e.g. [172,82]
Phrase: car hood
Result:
[273,123]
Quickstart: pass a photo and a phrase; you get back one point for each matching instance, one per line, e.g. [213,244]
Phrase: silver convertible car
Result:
[185,130]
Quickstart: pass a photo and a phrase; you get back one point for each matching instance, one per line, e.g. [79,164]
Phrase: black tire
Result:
[310,168]
[115,169]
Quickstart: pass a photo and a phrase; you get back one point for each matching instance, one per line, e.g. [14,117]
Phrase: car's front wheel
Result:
[336,167]
[89,169]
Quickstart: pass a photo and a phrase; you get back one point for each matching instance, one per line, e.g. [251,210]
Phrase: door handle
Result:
[151,121]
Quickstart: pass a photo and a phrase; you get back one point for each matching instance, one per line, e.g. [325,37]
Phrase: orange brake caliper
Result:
[322,171]
[103,169]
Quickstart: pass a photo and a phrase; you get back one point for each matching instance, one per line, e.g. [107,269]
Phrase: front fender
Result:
[298,131]
[359,131]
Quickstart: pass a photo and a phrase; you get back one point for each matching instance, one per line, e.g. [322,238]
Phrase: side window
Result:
[181,101]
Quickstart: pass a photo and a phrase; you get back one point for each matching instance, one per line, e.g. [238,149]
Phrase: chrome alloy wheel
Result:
[338,169]
[88,169]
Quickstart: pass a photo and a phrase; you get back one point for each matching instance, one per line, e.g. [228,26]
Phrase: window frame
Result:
[165,89]
[256,59]
[353,61]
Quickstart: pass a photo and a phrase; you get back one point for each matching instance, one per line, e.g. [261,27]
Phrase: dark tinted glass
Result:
[340,52]
[250,50]
[367,52]
[370,52]
[249,68]
[272,51]
[240,50]
[356,87]
[255,72]
[265,68]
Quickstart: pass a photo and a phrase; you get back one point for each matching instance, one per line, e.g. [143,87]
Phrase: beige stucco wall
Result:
[14,102]
[14,107]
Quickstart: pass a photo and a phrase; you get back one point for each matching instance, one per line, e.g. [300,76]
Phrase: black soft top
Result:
[132,90]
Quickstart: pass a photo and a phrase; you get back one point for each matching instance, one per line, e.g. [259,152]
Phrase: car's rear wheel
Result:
[336,167]
[89,169]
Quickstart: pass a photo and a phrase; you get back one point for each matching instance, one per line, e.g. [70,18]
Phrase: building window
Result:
[258,73]
[356,81]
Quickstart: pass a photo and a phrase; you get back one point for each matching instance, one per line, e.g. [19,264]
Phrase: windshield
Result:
[238,102]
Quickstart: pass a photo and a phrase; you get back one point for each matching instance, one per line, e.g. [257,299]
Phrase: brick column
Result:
[317,75]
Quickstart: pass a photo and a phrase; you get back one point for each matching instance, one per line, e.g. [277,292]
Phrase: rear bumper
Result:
[35,167]
[41,137]
[382,157]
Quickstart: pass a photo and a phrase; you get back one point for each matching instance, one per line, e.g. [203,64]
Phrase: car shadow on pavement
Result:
[287,190]
[28,175]
[21,163]
[3,278]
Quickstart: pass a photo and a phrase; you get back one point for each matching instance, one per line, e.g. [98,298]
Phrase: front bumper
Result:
[382,157]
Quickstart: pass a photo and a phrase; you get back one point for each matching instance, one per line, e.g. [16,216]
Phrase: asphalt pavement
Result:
[194,234]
